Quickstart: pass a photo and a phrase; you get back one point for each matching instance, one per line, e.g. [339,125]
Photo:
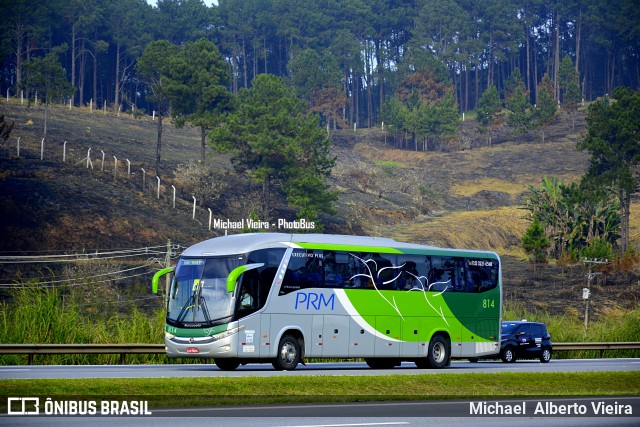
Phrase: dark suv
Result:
[525,340]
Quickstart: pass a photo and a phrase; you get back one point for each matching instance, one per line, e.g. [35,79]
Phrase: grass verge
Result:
[188,392]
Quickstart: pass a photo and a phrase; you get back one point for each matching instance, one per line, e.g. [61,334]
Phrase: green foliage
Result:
[310,72]
[153,67]
[535,242]
[488,107]
[374,44]
[569,85]
[574,216]
[271,138]
[613,140]
[46,76]
[598,248]
[394,115]
[517,102]
[197,86]
[424,106]
[41,315]
[545,109]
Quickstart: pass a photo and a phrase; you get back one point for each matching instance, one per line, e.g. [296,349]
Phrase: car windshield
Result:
[198,292]
[508,328]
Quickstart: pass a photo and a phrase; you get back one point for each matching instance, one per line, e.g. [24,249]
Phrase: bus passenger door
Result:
[335,336]
[361,341]
[388,336]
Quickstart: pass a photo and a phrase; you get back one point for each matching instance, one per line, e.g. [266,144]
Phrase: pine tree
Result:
[544,112]
[272,139]
[488,108]
[570,87]
[517,103]
[535,242]
[613,139]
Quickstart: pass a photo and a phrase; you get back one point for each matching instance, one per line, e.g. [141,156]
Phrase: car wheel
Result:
[227,364]
[288,355]
[546,355]
[473,359]
[508,355]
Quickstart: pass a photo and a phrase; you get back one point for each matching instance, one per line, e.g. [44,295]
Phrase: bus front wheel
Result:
[227,364]
[288,355]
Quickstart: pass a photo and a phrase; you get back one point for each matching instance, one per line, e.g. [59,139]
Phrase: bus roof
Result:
[247,242]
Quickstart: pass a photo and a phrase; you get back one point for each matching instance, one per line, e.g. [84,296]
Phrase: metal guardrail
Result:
[123,349]
[602,346]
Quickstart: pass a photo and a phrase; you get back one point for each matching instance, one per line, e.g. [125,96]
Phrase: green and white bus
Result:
[281,298]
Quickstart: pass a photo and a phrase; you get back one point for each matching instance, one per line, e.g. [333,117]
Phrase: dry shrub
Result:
[204,182]
[364,178]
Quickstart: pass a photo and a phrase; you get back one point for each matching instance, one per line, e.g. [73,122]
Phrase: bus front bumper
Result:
[224,346]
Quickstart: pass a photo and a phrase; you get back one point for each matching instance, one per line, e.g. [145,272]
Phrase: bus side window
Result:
[332,276]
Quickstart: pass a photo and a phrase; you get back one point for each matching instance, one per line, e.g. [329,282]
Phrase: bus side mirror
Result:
[232,278]
[158,275]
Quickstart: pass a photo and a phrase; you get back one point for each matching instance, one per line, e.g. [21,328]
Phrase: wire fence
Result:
[120,268]
[130,174]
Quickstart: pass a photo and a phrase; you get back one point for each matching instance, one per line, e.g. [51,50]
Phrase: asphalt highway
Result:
[311,369]
[623,410]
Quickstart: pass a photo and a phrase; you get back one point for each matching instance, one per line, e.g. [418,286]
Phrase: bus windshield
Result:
[198,292]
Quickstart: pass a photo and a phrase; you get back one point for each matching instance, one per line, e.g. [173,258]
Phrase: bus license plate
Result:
[193,350]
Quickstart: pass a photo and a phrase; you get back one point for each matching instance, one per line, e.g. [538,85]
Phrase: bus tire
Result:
[288,355]
[381,362]
[227,364]
[439,352]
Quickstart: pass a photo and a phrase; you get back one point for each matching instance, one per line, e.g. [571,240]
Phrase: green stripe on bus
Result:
[195,332]
[333,247]
[388,250]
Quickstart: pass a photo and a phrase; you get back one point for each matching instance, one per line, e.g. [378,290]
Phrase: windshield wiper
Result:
[195,301]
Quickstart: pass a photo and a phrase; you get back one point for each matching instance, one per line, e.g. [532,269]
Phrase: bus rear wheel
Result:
[439,352]
[227,364]
[288,355]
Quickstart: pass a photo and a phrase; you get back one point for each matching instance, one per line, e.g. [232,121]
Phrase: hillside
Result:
[470,197]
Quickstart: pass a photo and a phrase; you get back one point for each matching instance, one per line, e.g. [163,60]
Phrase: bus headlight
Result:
[168,336]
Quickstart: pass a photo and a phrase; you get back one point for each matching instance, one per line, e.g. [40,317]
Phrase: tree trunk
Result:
[95,77]
[19,36]
[244,63]
[81,76]
[46,116]
[116,98]
[73,59]
[475,104]
[380,75]
[159,143]
[266,190]
[625,204]
[578,33]
[528,85]
[556,61]
[203,140]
